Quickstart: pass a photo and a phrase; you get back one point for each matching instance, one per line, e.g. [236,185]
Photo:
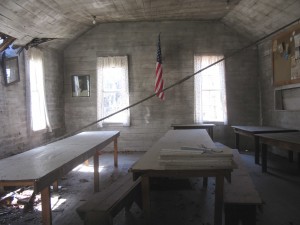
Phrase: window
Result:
[39,115]
[113,92]
[209,90]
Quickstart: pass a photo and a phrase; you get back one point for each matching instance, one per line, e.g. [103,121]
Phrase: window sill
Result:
[114,125]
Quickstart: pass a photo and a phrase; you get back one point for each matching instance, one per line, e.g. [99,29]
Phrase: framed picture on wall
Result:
[10,70]
[80,85]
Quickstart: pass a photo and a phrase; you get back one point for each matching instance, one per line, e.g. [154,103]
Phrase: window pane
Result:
[211,82]
[112,79]
[38,113]
[212,106]
[113,102]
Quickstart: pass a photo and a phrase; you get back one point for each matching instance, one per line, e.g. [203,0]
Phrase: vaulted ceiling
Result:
[67,19]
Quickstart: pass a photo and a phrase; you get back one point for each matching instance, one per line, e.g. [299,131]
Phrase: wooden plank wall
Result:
[15,134]
[180,41]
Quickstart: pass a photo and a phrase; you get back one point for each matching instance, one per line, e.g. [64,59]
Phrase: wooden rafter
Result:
[7,40]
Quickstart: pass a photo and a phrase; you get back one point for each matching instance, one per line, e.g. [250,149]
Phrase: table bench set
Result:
[50,162]
[42,166]
[285,139]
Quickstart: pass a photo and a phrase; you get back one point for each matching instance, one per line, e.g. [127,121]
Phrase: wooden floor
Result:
[174,201]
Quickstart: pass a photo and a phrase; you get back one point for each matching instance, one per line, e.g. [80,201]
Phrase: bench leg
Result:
[205,181]
[96,218]
[264,158]
[116,152]
[248,214]
[290,156]
[237,141]
[235,213]
[256,140]
[231,214]
[211,132]
[96,172]
[219,200]
[146,197]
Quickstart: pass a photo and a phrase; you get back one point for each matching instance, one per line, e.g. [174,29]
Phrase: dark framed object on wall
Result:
[80,85]
[10,69]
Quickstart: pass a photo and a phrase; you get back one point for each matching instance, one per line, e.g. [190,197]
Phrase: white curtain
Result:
[209,90]
[113,90]
[39,112]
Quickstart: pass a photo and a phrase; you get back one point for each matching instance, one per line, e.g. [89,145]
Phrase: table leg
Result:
[264,158]
[298,160]
[46,206]
[146,198]
[219,200]
[55,186]
[290,156]
[237,141]
[116,152]
[256,141]
[96,172]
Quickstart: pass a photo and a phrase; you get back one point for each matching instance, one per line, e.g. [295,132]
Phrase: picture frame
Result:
[10,69]
[80,86]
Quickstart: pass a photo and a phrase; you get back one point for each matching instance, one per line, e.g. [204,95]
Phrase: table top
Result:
[291,137]
[53,160]
[174,139]
[194,125]
[262,129]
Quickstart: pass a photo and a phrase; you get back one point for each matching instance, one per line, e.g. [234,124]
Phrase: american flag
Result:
[159,82]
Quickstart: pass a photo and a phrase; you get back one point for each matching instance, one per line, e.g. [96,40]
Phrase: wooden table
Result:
[149,166]
[284,141]
[42,166]
[208,126]
[251,131]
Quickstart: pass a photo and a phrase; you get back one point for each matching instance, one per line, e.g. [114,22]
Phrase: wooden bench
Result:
[103,206]
[240,196]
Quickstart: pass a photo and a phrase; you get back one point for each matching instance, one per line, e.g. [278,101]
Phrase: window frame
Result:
[102,64]
[198,80]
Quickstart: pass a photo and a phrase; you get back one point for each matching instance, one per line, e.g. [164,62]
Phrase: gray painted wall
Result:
[15,135]
[180,41]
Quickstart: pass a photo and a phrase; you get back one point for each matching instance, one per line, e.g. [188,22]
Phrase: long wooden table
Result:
[208,126]
[251,131]
[284,141]
[42,166]
[149,166]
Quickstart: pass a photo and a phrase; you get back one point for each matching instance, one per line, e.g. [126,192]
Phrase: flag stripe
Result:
[159,82]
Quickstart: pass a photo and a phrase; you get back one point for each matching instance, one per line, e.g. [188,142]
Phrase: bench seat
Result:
[104,205]
[240,196]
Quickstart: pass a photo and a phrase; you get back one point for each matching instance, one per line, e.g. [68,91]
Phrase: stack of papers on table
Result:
[191,157]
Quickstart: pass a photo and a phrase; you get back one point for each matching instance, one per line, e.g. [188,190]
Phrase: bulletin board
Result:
[286,57]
